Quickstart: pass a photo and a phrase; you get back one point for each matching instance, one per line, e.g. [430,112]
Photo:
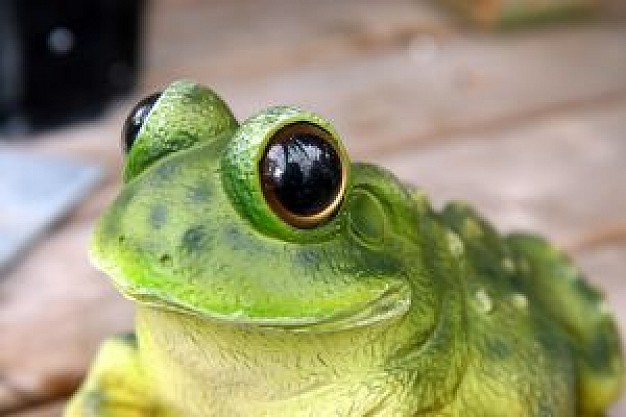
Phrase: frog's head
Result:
[265,223]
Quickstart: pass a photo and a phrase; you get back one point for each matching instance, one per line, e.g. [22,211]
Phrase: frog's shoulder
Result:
[554,287]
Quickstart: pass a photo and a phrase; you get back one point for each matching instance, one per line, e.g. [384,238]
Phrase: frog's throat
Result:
[392,303]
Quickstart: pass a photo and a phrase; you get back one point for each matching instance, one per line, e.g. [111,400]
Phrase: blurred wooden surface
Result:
[529,126]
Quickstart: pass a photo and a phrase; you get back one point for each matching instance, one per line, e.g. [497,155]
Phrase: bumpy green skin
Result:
[388,309]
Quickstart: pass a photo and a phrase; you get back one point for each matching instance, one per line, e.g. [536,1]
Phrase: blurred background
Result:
[517,106]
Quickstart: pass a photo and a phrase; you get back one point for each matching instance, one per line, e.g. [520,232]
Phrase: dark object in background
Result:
[62,60]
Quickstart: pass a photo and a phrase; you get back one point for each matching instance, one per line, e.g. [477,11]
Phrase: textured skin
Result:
[183,115]
[388,309]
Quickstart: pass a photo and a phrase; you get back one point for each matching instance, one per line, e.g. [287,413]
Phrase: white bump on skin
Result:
[604,308]
[519,300]
[455,244]
[508,265]
[484,300]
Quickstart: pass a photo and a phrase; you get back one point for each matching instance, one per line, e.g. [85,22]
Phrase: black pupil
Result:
[135,120]
[302,170]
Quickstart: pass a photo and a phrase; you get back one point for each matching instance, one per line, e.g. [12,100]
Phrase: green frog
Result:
[274,277]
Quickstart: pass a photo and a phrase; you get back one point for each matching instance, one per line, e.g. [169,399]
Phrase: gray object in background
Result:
[36,192]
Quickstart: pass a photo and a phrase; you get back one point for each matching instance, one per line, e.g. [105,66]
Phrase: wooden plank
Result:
[54,409]
[615,12]
[389,100]
[389,73]
[507,14]
[562,176]
[54,305]
[56,309]
[248,40]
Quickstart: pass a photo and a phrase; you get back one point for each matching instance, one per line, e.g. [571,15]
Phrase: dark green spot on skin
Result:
[243,242]
[544,409]
[307,258]
[586,291]
[551,340]
[195,238]
[498,349]
[518,283]
[165,172]
[166,260]
[600,350]
[232,236]
[129,338]
[199,194]
[158,216]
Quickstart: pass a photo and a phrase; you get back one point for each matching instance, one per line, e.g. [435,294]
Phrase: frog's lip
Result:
[394,302]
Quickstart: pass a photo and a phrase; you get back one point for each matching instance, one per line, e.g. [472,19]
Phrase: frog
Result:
[272,276]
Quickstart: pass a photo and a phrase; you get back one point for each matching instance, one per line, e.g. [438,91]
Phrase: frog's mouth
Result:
[392,303]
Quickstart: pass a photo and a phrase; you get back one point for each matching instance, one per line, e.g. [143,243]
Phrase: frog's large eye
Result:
[136,119]
[287,172]
[302,175]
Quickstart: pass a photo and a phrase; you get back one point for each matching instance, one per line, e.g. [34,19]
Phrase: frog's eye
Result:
[287,172]
[302,175]
[136,119]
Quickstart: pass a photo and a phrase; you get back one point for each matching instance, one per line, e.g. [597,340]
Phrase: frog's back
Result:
[539,332]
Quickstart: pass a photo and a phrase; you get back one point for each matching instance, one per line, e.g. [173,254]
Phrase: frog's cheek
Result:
[290,290]
[366,218]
